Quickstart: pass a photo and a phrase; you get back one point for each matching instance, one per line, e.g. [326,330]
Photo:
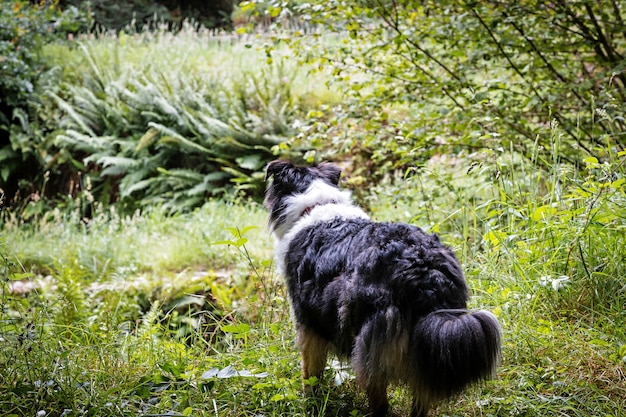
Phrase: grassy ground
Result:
[160,315]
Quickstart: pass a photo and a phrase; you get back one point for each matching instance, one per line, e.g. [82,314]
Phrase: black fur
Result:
[289,180]
[386,295]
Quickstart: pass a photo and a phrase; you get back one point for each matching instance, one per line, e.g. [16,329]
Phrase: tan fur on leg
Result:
[314,350]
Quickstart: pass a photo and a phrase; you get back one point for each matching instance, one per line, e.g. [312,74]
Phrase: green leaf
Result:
[618,183]
[20,276]
[148,138]
[225,242]
[251,162]
[239,329]
[542,213]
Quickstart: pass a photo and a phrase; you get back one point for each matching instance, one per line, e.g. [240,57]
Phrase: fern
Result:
[70,304]
[116,165]
[157,128]
[74,117]
[77,141]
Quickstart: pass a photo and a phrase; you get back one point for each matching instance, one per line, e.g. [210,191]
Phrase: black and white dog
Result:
[386,295]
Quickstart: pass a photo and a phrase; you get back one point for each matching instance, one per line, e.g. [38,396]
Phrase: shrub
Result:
[24,30]
[181,124]
[448,76]
[160,118]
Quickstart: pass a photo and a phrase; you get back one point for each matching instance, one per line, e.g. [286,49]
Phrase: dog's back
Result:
[342,272]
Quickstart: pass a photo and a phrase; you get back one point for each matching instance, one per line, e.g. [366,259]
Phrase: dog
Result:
[387,296]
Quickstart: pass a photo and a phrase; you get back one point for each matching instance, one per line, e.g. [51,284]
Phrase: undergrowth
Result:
[183,315]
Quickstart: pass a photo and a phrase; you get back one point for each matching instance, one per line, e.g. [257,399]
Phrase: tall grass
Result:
[154,242]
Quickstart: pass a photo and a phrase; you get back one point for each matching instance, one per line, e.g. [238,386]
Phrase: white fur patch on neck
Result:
[319,203]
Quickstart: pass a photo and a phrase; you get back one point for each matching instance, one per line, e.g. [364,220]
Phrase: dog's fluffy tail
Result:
[455,348]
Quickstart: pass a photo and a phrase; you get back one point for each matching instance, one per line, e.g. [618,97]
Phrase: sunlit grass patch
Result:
[155,241]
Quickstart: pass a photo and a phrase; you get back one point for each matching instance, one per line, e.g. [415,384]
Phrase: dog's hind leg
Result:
[314,349]
[377,397]
[419,409]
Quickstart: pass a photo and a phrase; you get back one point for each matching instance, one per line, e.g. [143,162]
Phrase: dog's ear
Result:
[276,167]
[330,171]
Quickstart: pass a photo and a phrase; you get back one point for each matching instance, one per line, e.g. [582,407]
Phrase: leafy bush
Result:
[449,76]
[171,134]
[24,30]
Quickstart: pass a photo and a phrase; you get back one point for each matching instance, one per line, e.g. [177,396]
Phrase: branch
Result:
[584,29]
[618,16]
[504,54]
[553,70]
[612,54]
[531,85]
[537,51]
[395,26]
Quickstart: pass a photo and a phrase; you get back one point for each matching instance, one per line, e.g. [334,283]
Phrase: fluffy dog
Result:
[388,296]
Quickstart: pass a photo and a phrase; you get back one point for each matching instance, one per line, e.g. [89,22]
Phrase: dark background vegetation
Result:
[118,14]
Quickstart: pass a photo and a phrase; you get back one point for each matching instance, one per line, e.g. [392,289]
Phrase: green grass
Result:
[192,53]
[183,315]
[155,242]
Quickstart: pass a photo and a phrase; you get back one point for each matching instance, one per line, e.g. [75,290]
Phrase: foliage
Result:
[117,15]
[24,30]
[264,15]
[447,76]
[138,15]
[161,118]
[211,14]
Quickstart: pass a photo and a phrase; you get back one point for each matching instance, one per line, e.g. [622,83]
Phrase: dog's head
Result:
[295,189]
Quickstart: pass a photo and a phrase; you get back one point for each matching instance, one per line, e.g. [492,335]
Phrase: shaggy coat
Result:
[388,296]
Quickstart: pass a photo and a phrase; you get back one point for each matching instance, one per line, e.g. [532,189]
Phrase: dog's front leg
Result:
[314,349]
